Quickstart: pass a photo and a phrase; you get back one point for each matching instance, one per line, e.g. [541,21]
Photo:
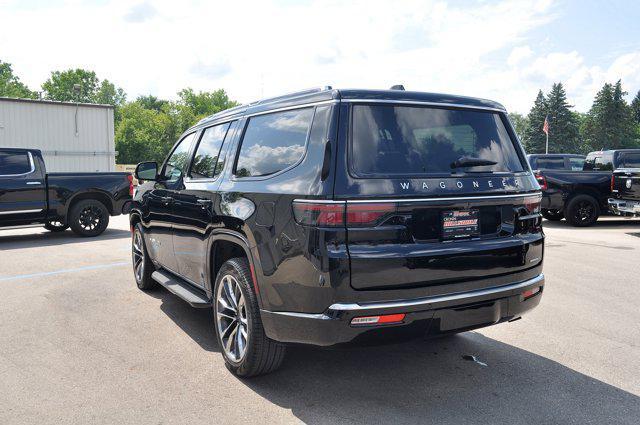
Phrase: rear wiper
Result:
[468,161]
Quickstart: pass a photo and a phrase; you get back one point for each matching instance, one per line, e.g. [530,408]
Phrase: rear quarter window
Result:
[14,163]
[273,142]
[410,140]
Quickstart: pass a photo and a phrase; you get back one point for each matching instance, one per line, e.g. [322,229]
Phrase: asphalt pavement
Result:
[79,343]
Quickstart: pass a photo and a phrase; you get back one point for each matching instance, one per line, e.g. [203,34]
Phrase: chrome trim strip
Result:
[418,102]
[34,182]
[530,216]
[319,316]
[433,199]
[32,165]
[437,299]
[20,211]
[455,198]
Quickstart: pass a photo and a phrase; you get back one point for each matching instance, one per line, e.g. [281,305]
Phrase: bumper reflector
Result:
[530,292]
[378,320]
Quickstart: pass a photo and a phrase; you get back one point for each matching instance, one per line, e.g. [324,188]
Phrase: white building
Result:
[72,137]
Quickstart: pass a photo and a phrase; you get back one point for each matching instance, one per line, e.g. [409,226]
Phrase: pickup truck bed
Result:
[82,201]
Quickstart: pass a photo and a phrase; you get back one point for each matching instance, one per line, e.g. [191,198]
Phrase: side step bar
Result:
[182,289]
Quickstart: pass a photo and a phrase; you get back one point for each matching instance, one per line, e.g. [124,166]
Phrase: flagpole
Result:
[547,146]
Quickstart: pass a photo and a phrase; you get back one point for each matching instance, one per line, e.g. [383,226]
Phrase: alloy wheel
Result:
[231,318]
[584,211]
[90,217]
[138,256]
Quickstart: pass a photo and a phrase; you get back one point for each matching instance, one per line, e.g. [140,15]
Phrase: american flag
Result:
[545,126]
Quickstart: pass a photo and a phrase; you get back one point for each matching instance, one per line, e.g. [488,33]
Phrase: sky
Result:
[500,50]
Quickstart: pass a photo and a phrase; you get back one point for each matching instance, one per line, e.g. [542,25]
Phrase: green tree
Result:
[534,138]
[61,86]
[152,102]
[563,127]
[142,134]
[609,123]
[10,84]
[635,106]
[519,122]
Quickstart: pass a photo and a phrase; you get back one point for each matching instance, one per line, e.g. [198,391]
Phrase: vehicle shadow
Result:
[423,381]
[430,382]
[195,322]
[41,237]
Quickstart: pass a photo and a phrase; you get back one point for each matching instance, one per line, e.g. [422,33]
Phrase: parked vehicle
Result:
[83,201]
[625,186]
[328,216]
[556,161]
[581,196]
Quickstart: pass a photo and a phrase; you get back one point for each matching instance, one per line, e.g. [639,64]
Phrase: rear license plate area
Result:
[460,224]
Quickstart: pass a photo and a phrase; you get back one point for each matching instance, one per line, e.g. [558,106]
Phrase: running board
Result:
[182,289]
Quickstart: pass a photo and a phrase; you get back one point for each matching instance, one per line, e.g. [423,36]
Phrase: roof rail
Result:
[292,94]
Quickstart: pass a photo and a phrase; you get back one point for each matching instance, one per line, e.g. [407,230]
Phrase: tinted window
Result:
[273,142]
[179,159]
[576,164]
[550,163]
[14,163]
[206,158]
[631,160]
[410,140]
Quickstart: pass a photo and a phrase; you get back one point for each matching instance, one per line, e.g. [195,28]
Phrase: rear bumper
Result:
[423,316]
[622,207]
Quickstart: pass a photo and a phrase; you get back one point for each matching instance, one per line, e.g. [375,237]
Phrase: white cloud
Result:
[266,48]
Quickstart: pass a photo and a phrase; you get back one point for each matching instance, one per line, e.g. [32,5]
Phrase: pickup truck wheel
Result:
[552,215]
[142,265]
[246,349]
[55,226]
[582,211]
[89,217]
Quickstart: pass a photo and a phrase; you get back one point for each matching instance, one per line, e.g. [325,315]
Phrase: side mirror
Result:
[147,171]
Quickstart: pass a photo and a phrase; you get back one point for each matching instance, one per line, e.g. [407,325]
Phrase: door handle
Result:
[204,203]
[167,200]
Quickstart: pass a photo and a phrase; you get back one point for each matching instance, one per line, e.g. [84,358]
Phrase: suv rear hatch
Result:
[626,180]
[437,197]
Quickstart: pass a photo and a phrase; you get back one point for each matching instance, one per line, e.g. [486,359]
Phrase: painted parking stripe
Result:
[63,271]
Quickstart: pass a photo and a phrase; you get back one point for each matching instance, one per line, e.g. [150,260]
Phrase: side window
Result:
[273,142]
[206,159]
[599,163]
[177,163]
[576,164]
[14,163]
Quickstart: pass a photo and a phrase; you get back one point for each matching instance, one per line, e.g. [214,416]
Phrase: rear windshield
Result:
[549,163]
[409,140]
[631,160]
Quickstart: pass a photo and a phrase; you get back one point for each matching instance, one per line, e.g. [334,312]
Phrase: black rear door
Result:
[436,197]
[193,207]
[627,179]
[22,188]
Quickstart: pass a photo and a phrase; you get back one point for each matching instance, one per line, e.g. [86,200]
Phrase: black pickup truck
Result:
[625,187]
[581,196]
[83,201]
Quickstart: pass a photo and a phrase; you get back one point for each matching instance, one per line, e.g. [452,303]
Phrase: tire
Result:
[552,215]
[88,218]
[55,226]
[142,265]
[235,310]
[582,211]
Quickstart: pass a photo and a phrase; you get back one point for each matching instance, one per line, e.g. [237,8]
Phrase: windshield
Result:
[408,140]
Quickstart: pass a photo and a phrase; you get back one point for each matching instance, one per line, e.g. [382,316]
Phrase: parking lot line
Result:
[64,271]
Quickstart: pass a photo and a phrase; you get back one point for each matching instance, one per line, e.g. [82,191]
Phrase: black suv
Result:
[333,216]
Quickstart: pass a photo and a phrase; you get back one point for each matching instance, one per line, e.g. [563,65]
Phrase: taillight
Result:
[613,182]
[368,214]
[533,204]
[341,214]
[542,181]
[130,178]
[319,214]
